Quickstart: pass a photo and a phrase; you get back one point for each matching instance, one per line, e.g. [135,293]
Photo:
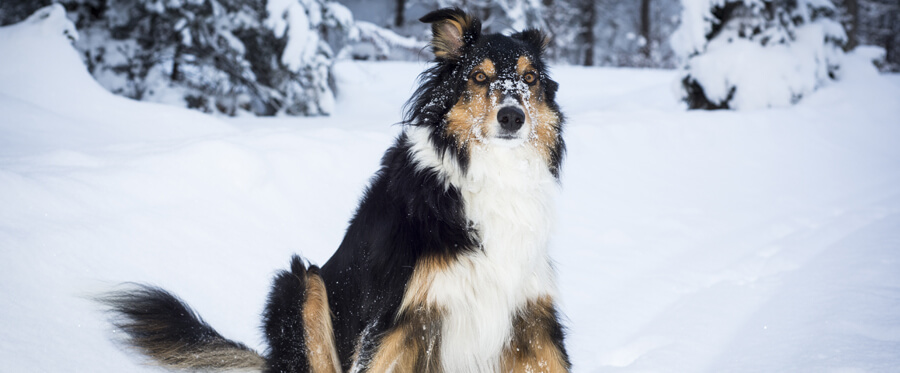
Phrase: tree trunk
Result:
[176,59]
[400,17]
[645,27]
[853,30]
[589,19]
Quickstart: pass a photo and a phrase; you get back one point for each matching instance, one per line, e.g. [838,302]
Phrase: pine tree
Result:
[260,56]
[13,11]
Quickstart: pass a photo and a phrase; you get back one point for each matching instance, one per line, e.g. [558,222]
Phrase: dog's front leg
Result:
[410,346]
[537,341]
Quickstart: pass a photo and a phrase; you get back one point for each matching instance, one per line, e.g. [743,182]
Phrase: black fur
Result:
[558,335]
[404,214]
[282,323]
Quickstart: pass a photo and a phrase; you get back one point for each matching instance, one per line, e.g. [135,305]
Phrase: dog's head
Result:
[487,90]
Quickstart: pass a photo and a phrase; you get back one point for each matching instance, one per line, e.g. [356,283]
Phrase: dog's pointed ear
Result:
[537,39]
[452,30]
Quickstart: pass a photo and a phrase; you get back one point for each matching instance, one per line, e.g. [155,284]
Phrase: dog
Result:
[444,267]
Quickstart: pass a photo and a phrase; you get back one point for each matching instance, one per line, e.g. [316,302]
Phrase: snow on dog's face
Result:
[487,90]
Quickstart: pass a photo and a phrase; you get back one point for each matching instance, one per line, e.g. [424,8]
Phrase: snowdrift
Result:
[765,240]
[42,70]
[756,54]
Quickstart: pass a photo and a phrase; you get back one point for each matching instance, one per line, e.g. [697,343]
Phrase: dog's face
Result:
[503,102]
[488,90]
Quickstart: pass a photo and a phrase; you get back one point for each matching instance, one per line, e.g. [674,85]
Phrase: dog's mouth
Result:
[508,139]
[508,136]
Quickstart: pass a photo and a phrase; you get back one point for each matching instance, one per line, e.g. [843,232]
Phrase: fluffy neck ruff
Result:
[508,195]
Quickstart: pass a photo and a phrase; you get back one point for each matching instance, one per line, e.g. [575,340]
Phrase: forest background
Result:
[275,57]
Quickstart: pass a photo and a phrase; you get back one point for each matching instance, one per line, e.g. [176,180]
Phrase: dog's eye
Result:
[530,78]
[480,77]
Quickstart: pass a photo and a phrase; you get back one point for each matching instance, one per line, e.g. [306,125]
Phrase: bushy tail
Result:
[297,323]
[168,331]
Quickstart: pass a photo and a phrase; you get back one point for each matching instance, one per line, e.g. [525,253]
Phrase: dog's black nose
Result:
[511,118]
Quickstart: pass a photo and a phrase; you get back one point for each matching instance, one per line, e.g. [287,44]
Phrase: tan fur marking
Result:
[487,67]
[544,120]
[466,119]
[222,358]
[532,350]
[545,41]
[546,128]
[523,65]
[448,36]
[393,354]
[320,347]
[416,294]
[411,346]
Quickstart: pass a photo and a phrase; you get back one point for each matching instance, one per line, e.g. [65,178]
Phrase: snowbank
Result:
[756,54]
[41,72]
[764,76]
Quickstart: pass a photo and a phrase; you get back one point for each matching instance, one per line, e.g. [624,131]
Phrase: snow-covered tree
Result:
[368,40]
[302,30]
[265,57]
[12,11]
[744,54]
[172,50]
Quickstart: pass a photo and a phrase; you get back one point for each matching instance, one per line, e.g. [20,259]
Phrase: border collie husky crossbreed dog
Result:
[444,267]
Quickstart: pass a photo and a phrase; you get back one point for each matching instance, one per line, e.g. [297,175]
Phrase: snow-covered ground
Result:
[754,241]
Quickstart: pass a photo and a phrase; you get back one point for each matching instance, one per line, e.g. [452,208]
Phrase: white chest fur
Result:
[508,194]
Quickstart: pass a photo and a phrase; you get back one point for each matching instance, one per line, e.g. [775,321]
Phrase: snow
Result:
[765,76]
[696,22]
[290,19]
[339,14]
[383,38]
[774,68]
[759,240]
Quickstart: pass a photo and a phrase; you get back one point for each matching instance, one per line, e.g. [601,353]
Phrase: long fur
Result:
[445,265]
[162,327]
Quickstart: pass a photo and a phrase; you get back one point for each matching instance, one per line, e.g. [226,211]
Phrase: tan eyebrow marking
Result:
[523,65]
[487,67]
